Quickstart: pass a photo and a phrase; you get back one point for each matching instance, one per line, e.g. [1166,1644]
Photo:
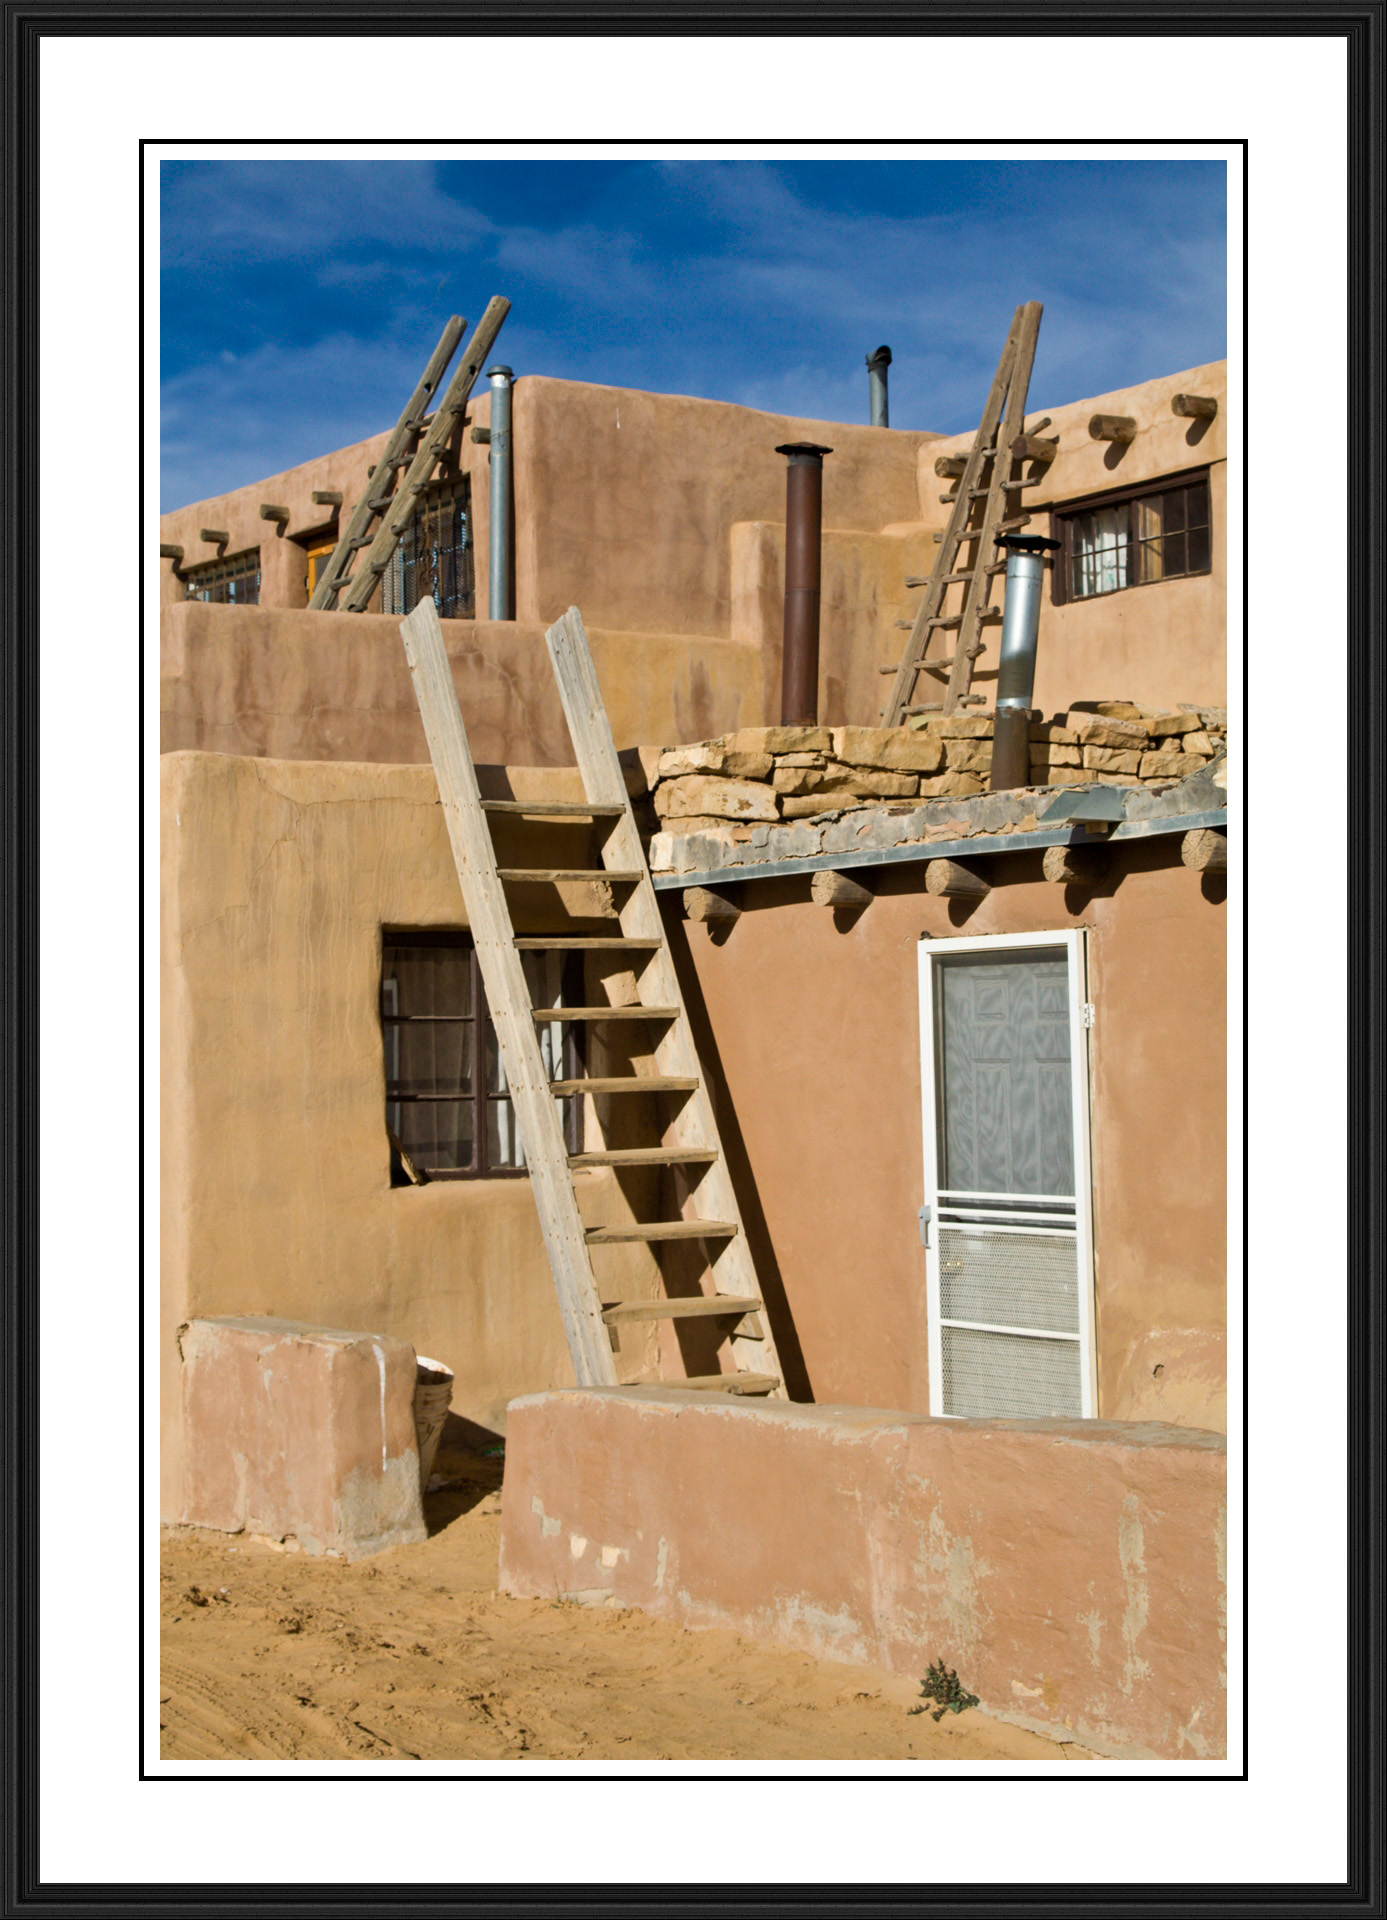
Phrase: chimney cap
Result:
[1027,543]
[881,358]
[803,448]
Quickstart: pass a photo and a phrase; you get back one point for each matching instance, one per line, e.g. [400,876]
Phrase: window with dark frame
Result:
[233,582]
[446,1103]
[434,558]
[1132,538]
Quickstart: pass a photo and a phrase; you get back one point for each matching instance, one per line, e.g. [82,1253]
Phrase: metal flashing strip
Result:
[979,846]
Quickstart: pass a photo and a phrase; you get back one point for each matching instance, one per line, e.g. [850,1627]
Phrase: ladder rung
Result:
[559,808]
[549,874]
[956,619]
[697,1307]
[720,1383]
[628,1083]
[576,942]
[946,666]
[645,1157]
[381,502]
[606,1013]
[662,1230]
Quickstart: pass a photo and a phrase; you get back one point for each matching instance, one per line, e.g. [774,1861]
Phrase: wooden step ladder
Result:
[982,496]
[692,1148]
[388,499]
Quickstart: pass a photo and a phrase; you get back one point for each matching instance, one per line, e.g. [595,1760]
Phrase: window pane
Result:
[429,1057]
[436,1134]
[1175,553]
[503,1148]
[428,978]
[1101,549]
[1173,509]
[226,583]
[1198,538]
[434,558]
[1197,504]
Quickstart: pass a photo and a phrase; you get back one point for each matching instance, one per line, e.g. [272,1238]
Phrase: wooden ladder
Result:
[393,504]
[981,510]
[692,1148]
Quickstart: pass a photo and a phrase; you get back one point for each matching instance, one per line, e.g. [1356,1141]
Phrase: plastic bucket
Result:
[433,1394]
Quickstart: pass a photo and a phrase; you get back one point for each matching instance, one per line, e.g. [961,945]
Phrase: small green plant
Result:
[942,1683]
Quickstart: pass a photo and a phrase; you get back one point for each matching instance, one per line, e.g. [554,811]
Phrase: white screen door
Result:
[1008,1219]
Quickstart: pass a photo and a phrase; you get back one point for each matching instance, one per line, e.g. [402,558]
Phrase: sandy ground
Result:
[273,1654]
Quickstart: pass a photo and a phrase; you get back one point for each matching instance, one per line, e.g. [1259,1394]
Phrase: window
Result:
[446,1103]
[1157,532]
[233,582]
[434,557]
[1008,1224]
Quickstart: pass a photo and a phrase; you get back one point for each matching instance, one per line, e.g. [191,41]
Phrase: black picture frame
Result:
[940,1892]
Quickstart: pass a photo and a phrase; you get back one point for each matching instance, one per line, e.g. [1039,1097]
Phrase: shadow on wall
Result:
[796,1373]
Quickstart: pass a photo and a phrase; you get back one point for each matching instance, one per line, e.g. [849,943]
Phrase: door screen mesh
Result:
[1003,1376]
[1009,1279]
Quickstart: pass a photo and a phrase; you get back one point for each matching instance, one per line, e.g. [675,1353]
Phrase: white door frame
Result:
[1074,944]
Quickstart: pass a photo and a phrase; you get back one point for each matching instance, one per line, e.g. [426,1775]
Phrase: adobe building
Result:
[977,1131]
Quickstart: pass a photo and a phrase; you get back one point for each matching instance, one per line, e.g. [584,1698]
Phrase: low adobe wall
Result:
[296,685]
[1072,1573]
[302,1431]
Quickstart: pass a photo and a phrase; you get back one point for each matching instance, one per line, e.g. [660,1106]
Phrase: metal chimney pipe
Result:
[877,363]
[1011,742]
[498,591]
[804,519]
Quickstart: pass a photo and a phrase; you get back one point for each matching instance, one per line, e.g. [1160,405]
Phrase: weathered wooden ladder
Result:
[983,480]
[393,504]
[692,1147]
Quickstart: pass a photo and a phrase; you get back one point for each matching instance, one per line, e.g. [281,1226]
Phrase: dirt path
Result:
[271,1654]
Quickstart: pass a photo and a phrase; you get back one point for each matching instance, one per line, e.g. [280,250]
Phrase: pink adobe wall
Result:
[1072,1573]
[808,1022]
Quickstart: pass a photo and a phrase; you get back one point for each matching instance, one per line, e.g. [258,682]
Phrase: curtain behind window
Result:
[1102,551]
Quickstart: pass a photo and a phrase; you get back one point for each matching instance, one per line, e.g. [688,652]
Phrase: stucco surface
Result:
[298,1430]
[625,501]
[329,686]
[809,1022]
[661,516]
[1072,1573]
[1158,643]
[277,877]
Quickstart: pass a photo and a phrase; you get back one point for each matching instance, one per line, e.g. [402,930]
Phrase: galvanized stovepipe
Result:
[804,496]
[877,363]
[1011,733]
[498,591]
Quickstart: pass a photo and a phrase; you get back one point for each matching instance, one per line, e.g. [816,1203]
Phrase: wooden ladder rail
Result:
[397,508]
[977,590]
[567,1241]
[508,998]
[984,453]
[693,1125]
[335,573]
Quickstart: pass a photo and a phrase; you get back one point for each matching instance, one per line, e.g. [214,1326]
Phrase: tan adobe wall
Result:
[277,878]
[625,502]
[661,515]
[1156,644]
[334,686]
[1072,1574]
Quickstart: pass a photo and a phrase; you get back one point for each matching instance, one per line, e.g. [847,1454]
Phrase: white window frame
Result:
[1074,944]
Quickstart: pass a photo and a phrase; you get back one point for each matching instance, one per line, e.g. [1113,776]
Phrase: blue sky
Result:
[301,298]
